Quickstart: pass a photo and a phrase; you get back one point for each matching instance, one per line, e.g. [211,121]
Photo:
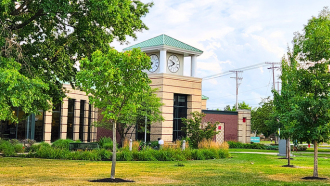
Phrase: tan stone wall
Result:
[77,95]
[204,104]
[244,128]
[168,85]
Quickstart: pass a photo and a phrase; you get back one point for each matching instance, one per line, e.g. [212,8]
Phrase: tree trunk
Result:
[114,150]
[275,138]
[315,173]
[288,150]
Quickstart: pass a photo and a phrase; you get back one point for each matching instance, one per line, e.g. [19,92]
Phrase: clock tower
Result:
[180,94]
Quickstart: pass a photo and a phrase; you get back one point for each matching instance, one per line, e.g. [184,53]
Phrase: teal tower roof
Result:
[164,40]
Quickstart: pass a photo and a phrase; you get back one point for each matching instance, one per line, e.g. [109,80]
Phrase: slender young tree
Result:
[307,101]
[116,84]
[284,114]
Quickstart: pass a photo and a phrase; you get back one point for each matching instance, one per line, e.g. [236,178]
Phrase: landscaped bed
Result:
[60,150]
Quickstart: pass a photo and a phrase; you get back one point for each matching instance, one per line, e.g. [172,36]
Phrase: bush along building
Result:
[181,95]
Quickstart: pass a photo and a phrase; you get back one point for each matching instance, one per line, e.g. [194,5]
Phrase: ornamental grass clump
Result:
[135,144]
[210,144]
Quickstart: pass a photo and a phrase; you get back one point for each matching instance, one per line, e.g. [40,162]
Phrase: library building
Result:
[180,94]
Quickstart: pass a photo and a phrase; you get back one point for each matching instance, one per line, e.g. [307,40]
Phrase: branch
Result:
[38,14]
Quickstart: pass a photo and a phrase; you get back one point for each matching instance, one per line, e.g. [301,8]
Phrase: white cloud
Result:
[232,34]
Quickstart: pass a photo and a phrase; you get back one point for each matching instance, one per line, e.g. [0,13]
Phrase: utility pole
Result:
[278,86]
[238,82]
[273,67]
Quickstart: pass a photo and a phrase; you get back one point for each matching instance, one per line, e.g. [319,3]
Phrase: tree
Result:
[241,105]
[48,37]
[310,104]
[116,84]
[262,118]
[284,112]
[227,108]
[196,130]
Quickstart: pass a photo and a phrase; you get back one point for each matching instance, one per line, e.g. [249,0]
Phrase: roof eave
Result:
[170,48]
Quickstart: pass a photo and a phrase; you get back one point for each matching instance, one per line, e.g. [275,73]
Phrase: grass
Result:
[241,169]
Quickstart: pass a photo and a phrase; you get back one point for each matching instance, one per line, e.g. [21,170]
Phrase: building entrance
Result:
[28,127]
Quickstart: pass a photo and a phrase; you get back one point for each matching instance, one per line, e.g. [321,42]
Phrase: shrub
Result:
[106,143]
[14,141]
[198,131]
[104,154]
[235,144]
[271,147]
[62,144]
[19,148]
[7,148]
[108,146]
[125,155]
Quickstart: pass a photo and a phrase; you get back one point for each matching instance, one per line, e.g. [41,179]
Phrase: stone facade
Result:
[78,96]
[244,126]
[168,85]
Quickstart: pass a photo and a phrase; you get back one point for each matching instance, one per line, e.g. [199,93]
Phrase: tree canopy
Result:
[262,120]
[241,105]
[46,38]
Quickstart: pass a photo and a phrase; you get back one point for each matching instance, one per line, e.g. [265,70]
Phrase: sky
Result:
[232,34]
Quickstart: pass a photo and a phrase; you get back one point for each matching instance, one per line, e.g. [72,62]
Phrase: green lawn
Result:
[241,169]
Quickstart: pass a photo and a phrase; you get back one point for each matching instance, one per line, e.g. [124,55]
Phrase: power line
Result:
[242,92]
[233,71]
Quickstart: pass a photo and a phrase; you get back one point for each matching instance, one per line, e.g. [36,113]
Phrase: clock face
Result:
[173,63]
[154,63]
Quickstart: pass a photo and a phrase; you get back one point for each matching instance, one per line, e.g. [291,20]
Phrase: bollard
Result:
[130,144]
[183,144]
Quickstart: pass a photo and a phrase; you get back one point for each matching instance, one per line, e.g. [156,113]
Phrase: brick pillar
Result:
[76,120]
[85,128]
[64,118]
[244,128]
[48,126]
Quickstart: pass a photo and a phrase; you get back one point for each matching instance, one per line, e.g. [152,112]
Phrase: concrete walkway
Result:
[273,153]
[267,153]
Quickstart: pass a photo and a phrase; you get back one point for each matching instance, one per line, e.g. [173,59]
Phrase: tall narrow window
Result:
[56,122]
[69,133]
[39,127]
[89,123]
[82,120]
[179,111]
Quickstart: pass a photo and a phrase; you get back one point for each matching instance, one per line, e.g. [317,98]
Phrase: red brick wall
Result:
[101,132]
[230,120]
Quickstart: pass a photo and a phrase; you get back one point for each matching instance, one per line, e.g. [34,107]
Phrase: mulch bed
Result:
[109,180]
[314,178]
[288,166]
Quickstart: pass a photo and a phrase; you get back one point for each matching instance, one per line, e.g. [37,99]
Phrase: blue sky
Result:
[233,34]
